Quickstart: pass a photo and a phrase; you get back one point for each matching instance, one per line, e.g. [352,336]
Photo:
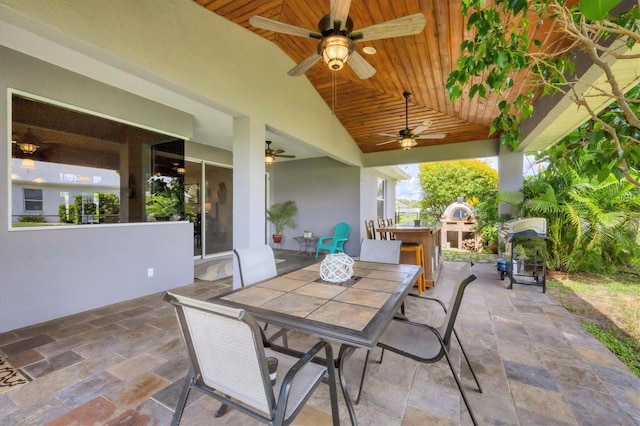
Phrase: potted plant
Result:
[281,216]
[489,234]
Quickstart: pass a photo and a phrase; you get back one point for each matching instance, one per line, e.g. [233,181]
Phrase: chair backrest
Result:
[256,264]
[341,231]
[370,227]
[382,224]
[382,251]
[226,350]
[464,278]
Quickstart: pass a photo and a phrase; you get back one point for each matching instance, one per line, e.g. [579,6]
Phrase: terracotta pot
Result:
[277,238]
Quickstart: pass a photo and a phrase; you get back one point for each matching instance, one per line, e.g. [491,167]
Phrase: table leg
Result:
[343,355]
[301,245]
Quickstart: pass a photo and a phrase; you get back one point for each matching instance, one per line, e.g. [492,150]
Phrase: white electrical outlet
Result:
[150,272]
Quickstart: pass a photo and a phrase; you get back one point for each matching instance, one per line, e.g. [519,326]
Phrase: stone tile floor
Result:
[124,364]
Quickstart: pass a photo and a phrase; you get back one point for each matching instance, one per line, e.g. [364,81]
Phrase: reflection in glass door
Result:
[218,208]
[210,210]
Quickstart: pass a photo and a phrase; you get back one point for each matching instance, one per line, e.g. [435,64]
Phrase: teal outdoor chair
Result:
[340,235]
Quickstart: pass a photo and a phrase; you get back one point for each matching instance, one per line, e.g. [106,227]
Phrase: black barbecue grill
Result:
[525,251]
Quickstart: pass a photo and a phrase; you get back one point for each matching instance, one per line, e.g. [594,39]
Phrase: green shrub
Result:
[32,219]
[109,206]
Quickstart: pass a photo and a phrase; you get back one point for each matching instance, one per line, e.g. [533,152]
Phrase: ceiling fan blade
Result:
[408,25]
[432,136]
[281,27]
[361,67]
[303,66]
[421,128]
[277,151]
[384,143]
[284,156]
[340,12]
[387,134]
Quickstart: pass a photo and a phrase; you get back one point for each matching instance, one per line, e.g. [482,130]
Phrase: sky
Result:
[410,189]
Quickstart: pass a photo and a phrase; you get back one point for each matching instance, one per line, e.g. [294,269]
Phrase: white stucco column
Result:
[248,186]
[509,176]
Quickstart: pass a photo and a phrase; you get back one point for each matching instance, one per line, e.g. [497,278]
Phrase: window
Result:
[94,170]
[382,190]
[32,199]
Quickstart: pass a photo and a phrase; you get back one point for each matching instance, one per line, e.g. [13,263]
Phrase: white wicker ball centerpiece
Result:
[336,268]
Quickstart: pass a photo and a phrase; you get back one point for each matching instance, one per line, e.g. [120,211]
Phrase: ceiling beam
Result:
[453,151]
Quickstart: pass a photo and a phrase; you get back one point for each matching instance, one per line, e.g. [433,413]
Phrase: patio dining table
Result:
[354,313]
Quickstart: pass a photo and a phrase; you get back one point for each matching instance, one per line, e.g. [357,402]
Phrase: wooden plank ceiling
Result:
[418,64]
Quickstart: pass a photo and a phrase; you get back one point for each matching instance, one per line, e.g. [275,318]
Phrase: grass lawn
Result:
[608,307]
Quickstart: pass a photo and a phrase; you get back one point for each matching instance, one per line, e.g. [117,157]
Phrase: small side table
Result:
[307,244]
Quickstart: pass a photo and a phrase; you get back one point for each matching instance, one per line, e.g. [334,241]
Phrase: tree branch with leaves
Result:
[503,46]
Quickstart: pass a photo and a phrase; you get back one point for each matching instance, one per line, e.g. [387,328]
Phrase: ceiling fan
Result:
[28,142]
[336,35]
[271,154]
[407,137]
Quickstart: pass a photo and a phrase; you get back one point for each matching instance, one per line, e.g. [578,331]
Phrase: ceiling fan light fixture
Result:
[407,143]
[28,143]
[27,148]
[269,159]
[336,51]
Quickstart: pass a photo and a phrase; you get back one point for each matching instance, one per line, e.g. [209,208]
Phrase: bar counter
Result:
[429,237]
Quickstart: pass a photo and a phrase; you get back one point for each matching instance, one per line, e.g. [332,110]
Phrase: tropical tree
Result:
[503,45]
[592,224]
[443,182]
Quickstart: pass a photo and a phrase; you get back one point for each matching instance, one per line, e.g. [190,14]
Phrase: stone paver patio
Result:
[124,364]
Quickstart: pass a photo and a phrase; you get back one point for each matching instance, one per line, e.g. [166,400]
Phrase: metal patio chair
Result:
[228,354]
[255,264]
[428,344]
[258,264]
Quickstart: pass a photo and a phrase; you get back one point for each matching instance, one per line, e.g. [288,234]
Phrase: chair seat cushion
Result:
[416,342]
[303,384]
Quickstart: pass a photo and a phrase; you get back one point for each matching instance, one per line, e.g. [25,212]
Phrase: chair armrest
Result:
[433,299]
[299,365]
[327,237]
[403,317]
[416,323]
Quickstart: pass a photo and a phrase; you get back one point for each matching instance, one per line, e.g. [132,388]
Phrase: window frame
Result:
[46,209]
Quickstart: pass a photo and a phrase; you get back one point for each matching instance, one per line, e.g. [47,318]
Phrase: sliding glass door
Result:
[209,206]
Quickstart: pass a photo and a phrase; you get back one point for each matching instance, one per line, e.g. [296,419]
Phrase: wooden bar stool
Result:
[418,252]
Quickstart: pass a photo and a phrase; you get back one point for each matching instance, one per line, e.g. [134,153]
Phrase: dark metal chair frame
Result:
[401,327]
[277,414]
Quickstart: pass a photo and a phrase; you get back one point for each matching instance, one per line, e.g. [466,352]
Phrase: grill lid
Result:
[525,226]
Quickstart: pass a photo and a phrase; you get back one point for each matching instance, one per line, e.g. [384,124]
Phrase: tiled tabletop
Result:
[301,299]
